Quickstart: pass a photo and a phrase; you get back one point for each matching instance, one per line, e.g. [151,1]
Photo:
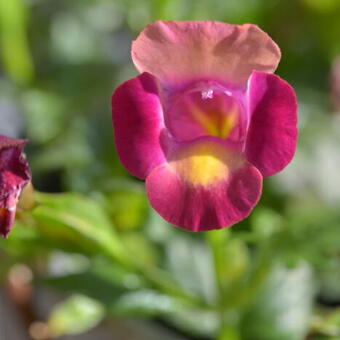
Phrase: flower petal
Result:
[138,123]
[14,175]
[180,51]
[272,134]
[205,185]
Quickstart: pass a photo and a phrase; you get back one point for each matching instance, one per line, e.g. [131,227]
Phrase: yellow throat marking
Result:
[213,127]
[202,164]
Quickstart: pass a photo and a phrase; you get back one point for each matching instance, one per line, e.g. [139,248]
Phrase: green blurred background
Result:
[92,239]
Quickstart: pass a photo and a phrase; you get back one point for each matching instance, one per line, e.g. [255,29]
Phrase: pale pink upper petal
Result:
[272,135]
[177,52]
[138,123]
[205,185]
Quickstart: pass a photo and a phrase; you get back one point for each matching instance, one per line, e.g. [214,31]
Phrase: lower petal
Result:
[205,185]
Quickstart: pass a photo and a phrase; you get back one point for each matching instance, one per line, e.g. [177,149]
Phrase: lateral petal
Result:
[138,123]
[272,134]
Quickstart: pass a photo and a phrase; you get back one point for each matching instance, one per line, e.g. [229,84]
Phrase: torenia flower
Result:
[14,175]
[205,121]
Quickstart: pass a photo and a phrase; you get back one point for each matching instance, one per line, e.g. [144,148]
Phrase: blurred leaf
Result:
[323,5]
[229,334]
[103,16]
[70,150]
[149,303]
[329,278]
[72,40]
[196,321]
[191,264]
[145,303]
[323,19]
[138,14]
[140,248]
[78,223]
[117,275]
[22,246]
[14,44]
[328,324]
[128,207]
[24,240]
[44,114]
[266,222]
[76,315]
[311,233]
[230,259]
[62,263]
[234,262]
[158,230]
[88,283]
[282,310]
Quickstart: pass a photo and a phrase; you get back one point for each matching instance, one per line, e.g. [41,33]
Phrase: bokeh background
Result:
[92,260]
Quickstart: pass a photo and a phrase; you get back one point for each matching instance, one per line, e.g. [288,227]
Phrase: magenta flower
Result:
[14,175]
[205,121]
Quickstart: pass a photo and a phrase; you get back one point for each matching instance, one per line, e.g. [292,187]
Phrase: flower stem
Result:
[216,241]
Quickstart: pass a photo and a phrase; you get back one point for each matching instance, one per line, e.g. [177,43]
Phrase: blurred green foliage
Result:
[273,276]
[75,315]
[16,56]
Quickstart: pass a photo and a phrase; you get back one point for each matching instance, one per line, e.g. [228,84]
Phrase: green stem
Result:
[216,241]
[250,287]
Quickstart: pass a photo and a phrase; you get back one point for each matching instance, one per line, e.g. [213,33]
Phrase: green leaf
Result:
[265,222]
[76,315]
[328,324]
[14,45]
[191,264]
[87,283]
[140,248]
[145,303]
[105,281]
[231,258]
[229,334]
[160,231]
[128,207]
[324,6]
[282,309]
[70,150]
[184,315]
[44,115]
[196,321]
[77,223]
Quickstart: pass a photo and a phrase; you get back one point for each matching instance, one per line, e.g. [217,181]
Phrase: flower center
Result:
[204,163]
[206,109]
